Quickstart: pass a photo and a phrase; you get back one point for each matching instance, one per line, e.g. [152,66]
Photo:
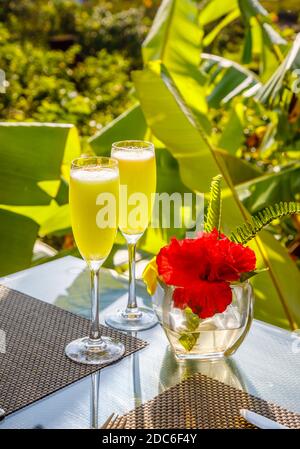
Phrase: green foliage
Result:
[18,235]
[192,321]
[94,24]
[270,92]
[35,161]
[247,231]
[54,86]
[213,217]
[69,62]
[129,125]
[248,275]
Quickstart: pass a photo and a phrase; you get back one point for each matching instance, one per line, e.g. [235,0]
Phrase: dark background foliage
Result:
[67,61]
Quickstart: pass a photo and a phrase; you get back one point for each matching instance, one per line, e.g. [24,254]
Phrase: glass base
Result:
[84,350]
[138,319]
[212,357]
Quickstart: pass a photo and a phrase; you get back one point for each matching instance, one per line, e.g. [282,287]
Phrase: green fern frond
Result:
[213,216]
[248,230]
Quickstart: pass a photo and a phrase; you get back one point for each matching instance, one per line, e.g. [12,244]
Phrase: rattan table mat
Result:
[34,364]
[200,402]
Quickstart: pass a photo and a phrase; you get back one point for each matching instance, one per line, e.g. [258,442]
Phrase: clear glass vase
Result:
[191,337]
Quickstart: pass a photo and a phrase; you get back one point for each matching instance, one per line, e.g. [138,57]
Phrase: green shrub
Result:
[69,62]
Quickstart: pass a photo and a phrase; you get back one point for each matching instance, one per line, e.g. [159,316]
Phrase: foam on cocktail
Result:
[133,154]
[91,175]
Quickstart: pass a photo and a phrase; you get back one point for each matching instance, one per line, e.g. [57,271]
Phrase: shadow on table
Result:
[77,297]
[224,370]
[112,288]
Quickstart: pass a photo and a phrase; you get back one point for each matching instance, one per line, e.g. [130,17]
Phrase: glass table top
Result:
[266,365]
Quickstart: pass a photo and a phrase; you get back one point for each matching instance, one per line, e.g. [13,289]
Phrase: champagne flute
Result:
[94,181]
[138,177]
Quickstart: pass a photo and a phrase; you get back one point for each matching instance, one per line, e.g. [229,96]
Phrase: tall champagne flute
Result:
[94,182]
[138,177]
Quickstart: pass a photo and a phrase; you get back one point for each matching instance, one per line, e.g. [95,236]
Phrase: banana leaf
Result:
[175,39]
[268,93]
[214,10]
[35,160]
[129,125]
[270,189]
[226,79]
[18,234]
[252,9]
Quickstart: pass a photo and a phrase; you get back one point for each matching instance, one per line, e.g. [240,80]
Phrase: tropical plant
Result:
[247,231]
[35,160]
[213,216]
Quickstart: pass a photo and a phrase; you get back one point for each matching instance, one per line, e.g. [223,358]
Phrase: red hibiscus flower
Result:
[204,298]
[201,269]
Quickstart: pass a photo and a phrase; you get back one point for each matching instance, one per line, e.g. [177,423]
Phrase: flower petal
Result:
[205,299]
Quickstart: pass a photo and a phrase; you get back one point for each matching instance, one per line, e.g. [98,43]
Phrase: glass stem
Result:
[95,377]
[131,305]
[95,296]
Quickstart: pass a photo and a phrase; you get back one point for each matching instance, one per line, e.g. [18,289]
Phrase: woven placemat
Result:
[200,402]
[36,333]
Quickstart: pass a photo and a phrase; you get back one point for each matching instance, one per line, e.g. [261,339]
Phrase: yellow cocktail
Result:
[93,238]
[94,198]
[138,175]
[137,167]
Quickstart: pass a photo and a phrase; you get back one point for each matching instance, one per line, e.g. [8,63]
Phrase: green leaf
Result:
[37,213]
[226,79]
[175,39]
[18,235]
[247,231]
[213,217]
[273,87]
[189,339]
[270,188]
[238,170]
[262,39]
[247,52]
[58,221]
[130,125]
[225,86]
[210,37]
[273,37]
[192,320]
[248,275]
[251,8]
[232,136]
[35,161]
[32,153]
[172,122]
[214,10]
[175,36]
